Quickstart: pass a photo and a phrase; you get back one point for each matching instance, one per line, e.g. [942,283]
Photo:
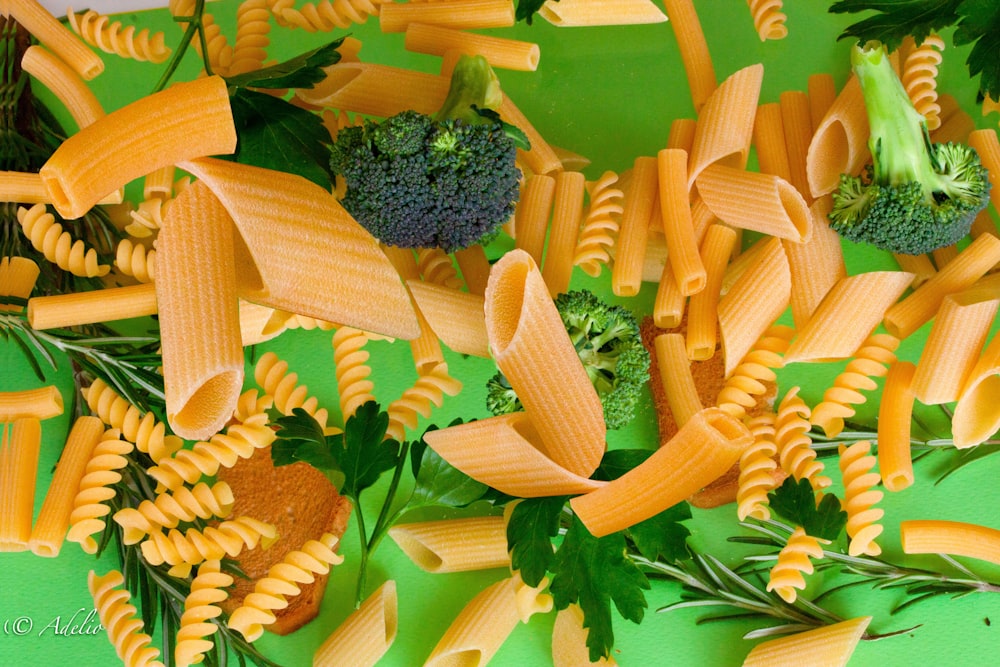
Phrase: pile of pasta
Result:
[258,252]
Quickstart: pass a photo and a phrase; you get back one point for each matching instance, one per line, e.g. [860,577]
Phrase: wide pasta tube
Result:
[956,538]
[199,314]
[831,646]
[701,451]
[455,316]
[40,403]
[760,202]
[307,255]
[840,142]
[533,350]
[185,121]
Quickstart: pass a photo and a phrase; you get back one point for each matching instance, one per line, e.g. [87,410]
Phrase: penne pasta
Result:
[769,141]
[641,195]
[366,635]
[454,545]
[40,403]
[822,92]
[955,538]
[840,141]
[894,422]
[567,215]
[541,158]
[569,637]
[694,52]
[702,324]
[668,308]
[675,374]
[682,242]
[988,147]
[576,13]
[48,30]
[19,453]
[797,126]
[920,266]
[64,83]
[455,317]
[976,418]
[376,90]
[500,52]
[17,278]
[426,348]
[830,646]
[475,268]
[816,265]
[458,14]
[682,133]
[751,200]
[102,305]
[531,218]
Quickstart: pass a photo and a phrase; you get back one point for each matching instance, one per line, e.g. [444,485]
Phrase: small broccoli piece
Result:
[447,180]
[609,344]
[916,196]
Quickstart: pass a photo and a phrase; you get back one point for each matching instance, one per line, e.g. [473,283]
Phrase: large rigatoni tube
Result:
[18,473]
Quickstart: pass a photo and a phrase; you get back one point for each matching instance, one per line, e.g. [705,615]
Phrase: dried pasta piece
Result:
[50,528]
[271,374]
[99,30]
[143,429]
[429,390]
[169,509]
[48,237]
[18,475]
[458,14]
[531,347]
[183,550]
[987,145]
[704,448]
[136,260]
[101,305]
[500,52]
[376,90]
[541,158]
[768,19]
[976,417]
[425,348]
[675,374]
[200,607]
[90,503]
[895,411]
[840,141]
[694,52]
[531,217]
[567,212]
[71,90]
[918,72]
[791,434]
[366,635]
[797,126]
[600,225]
[640,200]
[47,29]
[454,545]
[253,24]
[185,121]
[831,646]
[569,641]
[576,13]
[785,577]
[475,268]
[956,538]
[40,403]
[751,377]
[822,92]
[324,15]
[456,317]
[350,360]
[682,241]
[756,469]
[856,463]
[751,200]
[816,265]
[769,141]
[121,621]
[436,267]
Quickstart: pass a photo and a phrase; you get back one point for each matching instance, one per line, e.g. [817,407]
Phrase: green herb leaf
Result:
[366,455]
[617,462]
[301,438]
[980,26]
[302,71]
[594,572]
[532,525]
[440,483]
[796,501]
[526,10]
[895,19]
[663,536]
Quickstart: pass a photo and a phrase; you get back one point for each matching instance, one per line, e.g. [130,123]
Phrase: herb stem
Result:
[363,562]
[194,24]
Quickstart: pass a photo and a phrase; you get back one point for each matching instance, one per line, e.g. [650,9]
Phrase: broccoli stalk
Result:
[608,342]
[916,196]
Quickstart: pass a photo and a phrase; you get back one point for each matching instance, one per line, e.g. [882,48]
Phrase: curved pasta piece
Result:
[253,23]
[18,477]
[506,452]
[600,224]
[200,607]
[99,30]
[308,255]
[569,641]
[365,636]
[756,466]
[840,141]
[455,316]
[136,260]
[271,373]
[376,90]
[747,380]
[704,448]
[957,538]
[976,417]
[350,360]
[143,429]
[429,390]
[693,48]
[65,84]
[785,577]
[454,545]
[918,73]
[47,29]
[325,15]
[169,509]
[760,202]
[183,550]
[532,349]
[40,403]
[791,434]
[831,645]
[185,121]
[436,267]
[47,237]
[90,503]
[856,463]
[119,618]
[768,19]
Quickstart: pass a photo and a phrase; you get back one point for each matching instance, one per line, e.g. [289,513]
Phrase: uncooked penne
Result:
[668,308]
[458,14]
[693,48]
[475,268]
[699,453]
[455,317]
[702,323]
[569,641]
[576,13]
[376,90]
[426,348]
[53,73]
[769,141]
[840,142]
[830,646]
[920,266]
[19,453]
[797,126]
[567,214]
[894,422]
[454,545]
[103,305]
[500,52]
[641,196]
[675,374]
[955,538]
[530,345]
[675,209]
[47,29]
[531,217]
[540,158]
[822,92]
[988,147]
[366,635]
[816,264]
[40,403]
[17,278]
[185,121]
[751,200]
[976,417]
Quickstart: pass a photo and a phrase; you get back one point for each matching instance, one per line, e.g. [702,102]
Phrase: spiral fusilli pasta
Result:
[436,267]
[600,225]
[120,620]
[768,19]
[791,433]
[918,72]
[98,30]
[47,237]
[856,464]
[143,429]
[148,217]
[747,380]
[184,550]
[169,509]
[90,503]
[200,606]
[323,16]
[756,464]
[271,374]
[872,360]
[297,567]
[351,362]
[136,260]
[429,389]
[253,23]
[785,577]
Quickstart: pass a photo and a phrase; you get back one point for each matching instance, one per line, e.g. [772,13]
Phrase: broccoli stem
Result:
[473,84]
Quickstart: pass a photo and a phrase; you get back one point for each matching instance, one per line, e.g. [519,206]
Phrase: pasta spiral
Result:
[207,589]
[600,225]
[436,267]
[148,217]
[919,73]
[119,618]
[90,502]
[748,378]
[183,550]
[871,360]
[297,567]
[136,260]
[856,464]
[253,23]
[323,16]
[47,237]
[785,577]
[768,19]
[143,429]
[169,509]
[98,30]
[756,464]
[351,362]
[271,373]
[791,434]
[429,389]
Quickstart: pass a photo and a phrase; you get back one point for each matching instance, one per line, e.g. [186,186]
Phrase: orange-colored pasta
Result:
[840,141]
[768,19]
[694,52]
[120,619]
[365,636]
[976,417]
[187,120]
[282,387]
[170,508]
[894,423]
[918,73]
[682,244]
[541,158]
[531,219]
[456,317]
[986,144]
[48,30]
[641,195]
[797,126]
[756,466]
[499,51]
[183,550]
[458,14]
[822,92]
[436,267]
[769,141]
[99,30]
[136,260]
[200,607]
[746,382]
[253,24]
[682,133]
[18,474]
[475,268]
[426,348]
[668,308]
[454,545]
[856,464]
[816,265]
[751,200]
[18,276]
[323,15]
[103,305]
[920,266]
[567,212]
[600,225]
[22,187]
[955,538]
[429,389]
[569,638]
[65,84]
[785,577]
[376,90]
[531,347]
[40,403]
[575,13]
[142,429]
[791,434]
[350,361]
[90,503]
[702,450]
[831,646]
[675,374]
[48,237]
[716,248]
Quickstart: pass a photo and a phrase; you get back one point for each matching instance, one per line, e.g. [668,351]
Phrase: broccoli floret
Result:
[916,196]
[609,344]
[447,180]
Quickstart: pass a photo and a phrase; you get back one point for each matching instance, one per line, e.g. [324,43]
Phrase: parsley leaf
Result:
[301,438]
[526,9]
[663,536]
[617,462]
[796,501]
[365,454]
[594,572]
[532,525]
[303,71]
[895,19]
[440,483]
[980,26]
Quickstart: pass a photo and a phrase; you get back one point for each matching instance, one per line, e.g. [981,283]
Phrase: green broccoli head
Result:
[607,339]
[916,196]
[447,181]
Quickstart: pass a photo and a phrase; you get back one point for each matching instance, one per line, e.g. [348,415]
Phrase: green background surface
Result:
[608,93]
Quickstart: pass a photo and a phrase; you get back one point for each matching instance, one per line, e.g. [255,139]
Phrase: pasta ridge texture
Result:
[48,237]
[98,30]
[90,503]
[785,577]
[297,567]
[120,620]
[871,360]
[183,550]
[323,16]
[429,389]
[919,76]
[200,608]
[352,370]
[856,464]
[169,509]
[756,464]
[748,378]
[600,225]
[768,19]
[271,373]
[791,433]
[143,429]
[136,260]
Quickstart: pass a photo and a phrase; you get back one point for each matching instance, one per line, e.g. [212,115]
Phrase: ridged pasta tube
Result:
[200,607]
[323,16]
[600,225]
[756,464]
[856,465]
[47,237]
[183,550]
[351,362]
[269,593]
[120,620]
[429,389]
[143,429]
[169,509]
[99,30]
[785,576]
[90,503]
[791,433]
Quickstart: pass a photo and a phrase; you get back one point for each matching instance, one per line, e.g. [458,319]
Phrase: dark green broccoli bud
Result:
[448,180]
[916,196]
[607,339]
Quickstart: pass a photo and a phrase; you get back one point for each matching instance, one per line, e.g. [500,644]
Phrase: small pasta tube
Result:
[769,141]
[761,202]
[376,90]
[702,325]
[103,305]
[532,349]
[458,14]
[702,450]
[500,52]
[187,120]
[840,142]
[693,48]
[454,545]
[675,374]
[425,348]
[65,84]
[576,13]
[641,195]
[682,243]
[47,29]
[569,641]
[976,417]
[49,531]
[956,538]
[895,413]
[40,403]
[816,265]
[797,127]
[567,214]
[18,276]
[830,646]
[531,218]
[455,316]
[18,474]
[366,635]
[987,145]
